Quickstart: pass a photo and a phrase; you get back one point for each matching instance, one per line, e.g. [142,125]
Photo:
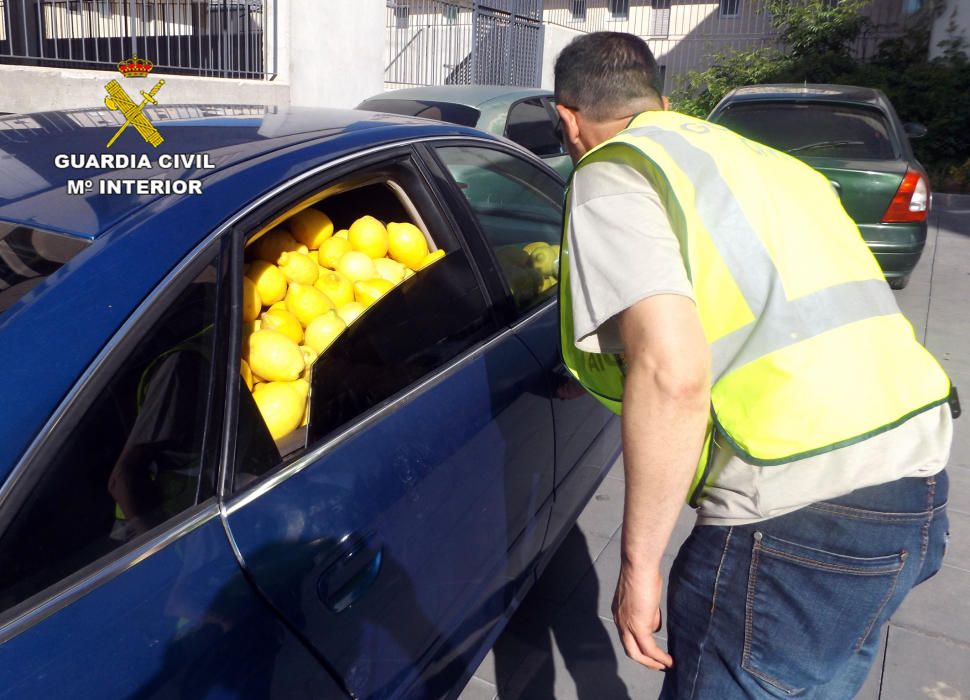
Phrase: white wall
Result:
[336,51]
[554,41]
[958,12]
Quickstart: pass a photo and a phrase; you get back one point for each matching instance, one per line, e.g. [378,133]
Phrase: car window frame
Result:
[544,101]
[272,210]
[85,390]
[505,307]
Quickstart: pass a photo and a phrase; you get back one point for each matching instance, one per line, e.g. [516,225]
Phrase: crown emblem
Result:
[135,67]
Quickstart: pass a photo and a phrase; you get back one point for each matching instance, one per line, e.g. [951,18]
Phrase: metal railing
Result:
[456,42]
[214,38]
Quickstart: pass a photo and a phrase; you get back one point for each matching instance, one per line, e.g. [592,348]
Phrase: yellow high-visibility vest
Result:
[809,350]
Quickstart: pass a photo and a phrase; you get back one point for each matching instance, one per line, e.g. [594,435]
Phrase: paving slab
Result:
[604,513]
[477,689]
[959,498]
[939,607]
[924,667]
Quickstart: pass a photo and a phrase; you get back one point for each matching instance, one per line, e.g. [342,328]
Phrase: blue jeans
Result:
[793,606]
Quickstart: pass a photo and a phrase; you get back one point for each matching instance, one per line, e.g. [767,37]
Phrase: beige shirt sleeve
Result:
[621,250]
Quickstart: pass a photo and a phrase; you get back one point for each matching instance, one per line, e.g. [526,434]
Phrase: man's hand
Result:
[636,612]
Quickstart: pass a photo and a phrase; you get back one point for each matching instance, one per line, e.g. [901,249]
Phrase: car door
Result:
[517,205]
[532,123]
[116,577]
[396,534]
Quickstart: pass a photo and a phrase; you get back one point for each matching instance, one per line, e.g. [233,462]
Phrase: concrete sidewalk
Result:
[562,643]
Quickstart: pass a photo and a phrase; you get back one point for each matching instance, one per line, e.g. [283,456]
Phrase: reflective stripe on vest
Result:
[809,349]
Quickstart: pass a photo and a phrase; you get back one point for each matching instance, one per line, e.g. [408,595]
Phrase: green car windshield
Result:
[815,129]
[28,256]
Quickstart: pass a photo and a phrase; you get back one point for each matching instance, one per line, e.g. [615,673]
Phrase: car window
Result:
[530,124]
[28,256]
[395,298]
[519,209]
[429,109]
[131,459]
[814,129]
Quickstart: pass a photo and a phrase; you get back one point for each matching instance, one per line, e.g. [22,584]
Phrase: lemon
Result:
[406,244]
[281,407]
[251,301]
[278,305]
[350,311]
[548,282]
[338,288]
[306,303]
[314,255]
[529,247]
[369,236]
[356,266]
[273,244]
[342,233]
[332,250]
[310,227]
[323,330]
[269,280]
[556,251]
[366,292]
[273,356]
[247,374]
[298,267]
[284,322]
[309,357]
[544,260]
[431,258]
[391,270]
[408,273]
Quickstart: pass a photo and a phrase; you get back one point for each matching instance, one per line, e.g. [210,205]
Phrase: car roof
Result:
[817,92]
[33,189]
[468,95]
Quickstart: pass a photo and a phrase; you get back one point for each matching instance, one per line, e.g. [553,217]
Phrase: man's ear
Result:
[569,124]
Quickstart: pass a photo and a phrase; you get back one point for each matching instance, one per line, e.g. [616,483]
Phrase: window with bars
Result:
[659,17]
[730,8]
[402,13]
[620,9]
[579,10]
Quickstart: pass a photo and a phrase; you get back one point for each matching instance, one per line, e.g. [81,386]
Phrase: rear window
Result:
[28,256]
[442,111]
[807,129]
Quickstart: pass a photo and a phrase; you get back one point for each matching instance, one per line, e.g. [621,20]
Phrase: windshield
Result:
[814,129]
[28,256]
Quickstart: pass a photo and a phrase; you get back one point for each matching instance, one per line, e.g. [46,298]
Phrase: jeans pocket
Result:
[808,611]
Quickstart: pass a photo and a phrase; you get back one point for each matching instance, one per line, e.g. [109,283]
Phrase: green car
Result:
[526,116]
[854,137]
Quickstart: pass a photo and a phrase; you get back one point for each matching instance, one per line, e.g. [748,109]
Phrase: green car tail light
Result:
[911,201]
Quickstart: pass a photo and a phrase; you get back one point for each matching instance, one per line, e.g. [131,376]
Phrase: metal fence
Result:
[458,42]
[687,35]
[215,38]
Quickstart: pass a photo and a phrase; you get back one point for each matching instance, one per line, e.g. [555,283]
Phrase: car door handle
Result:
[344,582]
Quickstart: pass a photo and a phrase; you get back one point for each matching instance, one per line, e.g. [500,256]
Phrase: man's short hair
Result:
[603,73]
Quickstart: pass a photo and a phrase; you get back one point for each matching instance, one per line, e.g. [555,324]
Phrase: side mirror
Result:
[914,130]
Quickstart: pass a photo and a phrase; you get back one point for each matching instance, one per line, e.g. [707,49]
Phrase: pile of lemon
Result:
[303,285]
[529,270]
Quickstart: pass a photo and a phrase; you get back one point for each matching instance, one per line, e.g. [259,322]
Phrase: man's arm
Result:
[666,403]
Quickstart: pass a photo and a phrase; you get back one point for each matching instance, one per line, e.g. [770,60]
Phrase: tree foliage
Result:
[819,41]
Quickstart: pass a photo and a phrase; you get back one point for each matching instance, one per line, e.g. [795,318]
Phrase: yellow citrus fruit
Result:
[273,244]
[544,260]
[528,248]
[281,407]
[431,258]
[332,250]
[313,255]
[366,292]
[251,301]
[548,282]
[285,322]
[273,356]
[306,303]
[342,233]
[269,280]
[406,244]
[298,267]
[356,266]
[391,270]
[309,357]
[323,330]
[350,311]
[338,288]
[310,227]
[408,273]
[278,305]
[247,374]
[369,236]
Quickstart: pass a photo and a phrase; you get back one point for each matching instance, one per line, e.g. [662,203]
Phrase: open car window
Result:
[354,294]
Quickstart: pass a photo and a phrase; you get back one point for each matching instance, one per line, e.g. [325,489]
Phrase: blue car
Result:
[155,539]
